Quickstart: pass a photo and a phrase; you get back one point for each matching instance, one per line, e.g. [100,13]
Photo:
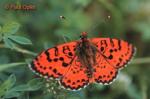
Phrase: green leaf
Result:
[6,66]
[20,39]
[20,88]
[133,92]
[32,85]
[35,84]
[10,28]
[11,94]
[4,87]
[8,43]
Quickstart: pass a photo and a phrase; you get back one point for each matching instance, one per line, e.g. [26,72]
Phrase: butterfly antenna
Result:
[64,20]
[65,38]
[93,28]
[97,24]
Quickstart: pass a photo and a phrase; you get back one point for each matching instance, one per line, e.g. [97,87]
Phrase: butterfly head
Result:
[83,36]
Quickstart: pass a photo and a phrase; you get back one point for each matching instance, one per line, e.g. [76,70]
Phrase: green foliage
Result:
[84,3]
[7,85]
[8,90]
[6,66]
[143,27]
[20,40]
[8,43]
[10,28]
[32,85]
[7,35]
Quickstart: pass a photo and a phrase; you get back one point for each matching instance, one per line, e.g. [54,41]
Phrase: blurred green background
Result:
[23,33]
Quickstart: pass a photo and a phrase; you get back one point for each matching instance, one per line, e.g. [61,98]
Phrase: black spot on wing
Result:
[111,42]
[65,64]
[48,56]
[65,49]
[110,57]
[119,44]
[70,54]
[102,49]
[56,51]
[55,70]
[61,59]
[103,42]
[72,86]
[55,59]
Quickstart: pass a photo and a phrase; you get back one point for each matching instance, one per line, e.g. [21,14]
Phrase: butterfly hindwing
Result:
[117,52]
[54,62]
[76,77]
[103,72]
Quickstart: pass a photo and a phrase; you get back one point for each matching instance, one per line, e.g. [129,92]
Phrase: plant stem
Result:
[21,50]
[24,51]
[143,60]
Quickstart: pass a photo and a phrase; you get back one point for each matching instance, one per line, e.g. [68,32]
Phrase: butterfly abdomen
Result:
[86,54]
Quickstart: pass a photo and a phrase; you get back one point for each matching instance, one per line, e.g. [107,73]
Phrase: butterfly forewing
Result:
[116,52]
[54,62]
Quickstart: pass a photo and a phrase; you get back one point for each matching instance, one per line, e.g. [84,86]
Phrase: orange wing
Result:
[61,62]
[116,52]
[54,62]
[103,71]
[76,77]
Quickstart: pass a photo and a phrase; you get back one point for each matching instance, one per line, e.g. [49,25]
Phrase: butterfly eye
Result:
[81,37]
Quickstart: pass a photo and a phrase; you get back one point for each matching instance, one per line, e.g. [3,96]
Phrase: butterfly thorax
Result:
[86,53]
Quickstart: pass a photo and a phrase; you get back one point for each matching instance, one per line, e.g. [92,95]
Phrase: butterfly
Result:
[79,63]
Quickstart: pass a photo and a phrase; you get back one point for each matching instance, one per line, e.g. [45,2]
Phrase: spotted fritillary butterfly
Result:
[79,63]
